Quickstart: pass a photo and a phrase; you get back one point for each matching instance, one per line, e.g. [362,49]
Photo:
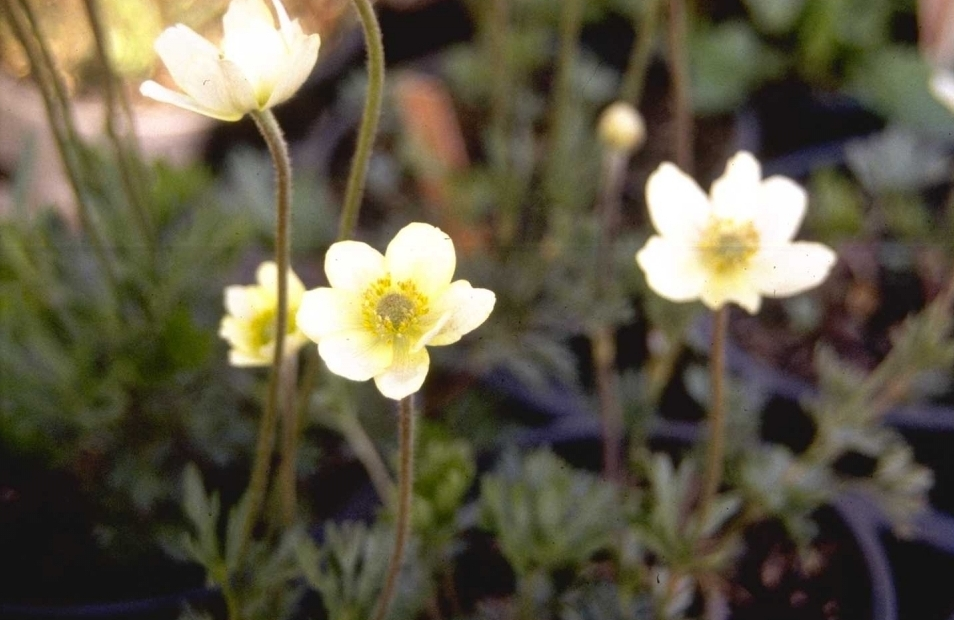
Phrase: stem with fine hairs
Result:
[715,456]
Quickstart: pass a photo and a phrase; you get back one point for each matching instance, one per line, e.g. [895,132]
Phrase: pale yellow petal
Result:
[672,269]
[405,375]
[460,310]
[244,360]
[942,87]
[423,254]
[677,206]
[267,277]
[357,355]
[792,268]
[781,209]
[160,93]
[739,288]
[285,24]
[252,42]
[195,66]
[735,195]
[352,265]
[326,311]
[238,302]
[303,54]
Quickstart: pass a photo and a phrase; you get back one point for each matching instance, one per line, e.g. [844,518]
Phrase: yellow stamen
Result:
[726,245]
[393,310]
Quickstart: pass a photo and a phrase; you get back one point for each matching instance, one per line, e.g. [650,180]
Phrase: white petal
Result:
[672,269]
[781,209]
[356,355]
[677,206]
[326,311]
[423,254]
[243,360]
[792,268]
[405,375]
[197,69]
[160,93]
[735,195]
[739,288]
[942,86]
[298,66]
[352,265]
[267,277]
[462,309]
[251,41]
[238,302]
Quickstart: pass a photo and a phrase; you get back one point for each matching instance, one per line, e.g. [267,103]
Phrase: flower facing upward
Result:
[249,326]
[255,68]
[381,311]
[734,246]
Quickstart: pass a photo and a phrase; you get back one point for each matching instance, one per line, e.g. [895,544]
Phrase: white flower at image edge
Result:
[257,66]
[734,245]
[381,311]
[942,87]
[249,325]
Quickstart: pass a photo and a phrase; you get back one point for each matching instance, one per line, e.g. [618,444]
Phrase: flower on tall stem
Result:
[734,245]
[249,326]
[255,68]
[381,311]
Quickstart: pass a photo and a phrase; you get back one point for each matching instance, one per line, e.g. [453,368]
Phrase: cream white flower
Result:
[734,245]
[249,325]
[256,67]
[942,87]
[381,311]
[621,127]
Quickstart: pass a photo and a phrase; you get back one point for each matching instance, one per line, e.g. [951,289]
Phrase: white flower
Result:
[257,66]
[942,87]
[381,311]
[734,246]
[621,127]
[249,326]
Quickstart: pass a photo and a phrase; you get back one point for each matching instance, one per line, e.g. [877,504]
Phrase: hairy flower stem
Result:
[368,454]
[631,88]
[405,496]
[354,191]
[715,456]
[291,432]
[130,170]
[603,337]
[272,133]
[679,70]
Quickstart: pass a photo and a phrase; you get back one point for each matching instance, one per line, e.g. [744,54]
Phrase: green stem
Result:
[130,174]
[497,42]
[291,433]
[368,454]
[715,457]
[571,21]
[272,133]
[405,497]
[631,88]
[679,70]
[59,115]
[354,191]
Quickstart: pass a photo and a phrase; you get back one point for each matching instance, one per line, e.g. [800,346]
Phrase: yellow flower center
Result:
[393,309]
[726,245]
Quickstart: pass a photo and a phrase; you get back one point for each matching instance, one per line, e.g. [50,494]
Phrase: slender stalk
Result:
[679,70]
[571,21]
[603,337]
[405,496]
[497,42]
[369,456]
[291,434]
[127,161]
[59,115]
[369,120]
[631,88]
[272,133]
[715,456]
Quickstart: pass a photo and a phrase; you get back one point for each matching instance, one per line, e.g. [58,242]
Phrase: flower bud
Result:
[621,127]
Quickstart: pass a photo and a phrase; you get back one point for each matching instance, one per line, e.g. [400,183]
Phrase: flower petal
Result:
[781,209]
[405,375]
[195,66]
[739,288]
[352,265]
[241,359]
[793,268]
[423,254]
[267,277]
[672,269]
[160,93]
[460,310]
[326,311]
[357,355]
[303,54]
[251,41]
[677,205]
[735,195]
[942,87]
